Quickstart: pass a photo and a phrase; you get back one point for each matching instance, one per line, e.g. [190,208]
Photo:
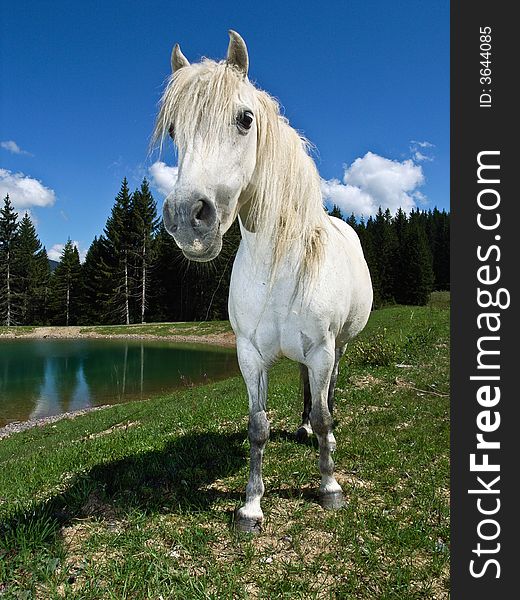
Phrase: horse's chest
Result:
[273,330]
[270,317]
[255,313]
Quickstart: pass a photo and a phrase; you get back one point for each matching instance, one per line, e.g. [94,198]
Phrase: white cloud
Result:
[24,191]
[420,157]
[422,144]
[55,252]
[373,181]
[13,147]
[420,198]
[163,177]
[349,198]
[423,154]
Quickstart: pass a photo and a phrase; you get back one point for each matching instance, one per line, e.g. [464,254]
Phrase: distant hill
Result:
[53,264]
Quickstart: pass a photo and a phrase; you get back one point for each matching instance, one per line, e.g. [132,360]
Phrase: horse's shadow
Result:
[177,478]
[287,436]
[180,478]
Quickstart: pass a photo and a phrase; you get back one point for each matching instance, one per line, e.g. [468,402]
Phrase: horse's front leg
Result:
[254,370]
[305,429]
[338,353]
[321,366]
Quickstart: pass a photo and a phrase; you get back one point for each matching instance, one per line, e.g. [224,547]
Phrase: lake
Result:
[40,378]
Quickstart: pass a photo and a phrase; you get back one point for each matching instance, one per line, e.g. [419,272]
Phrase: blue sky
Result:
[366,81]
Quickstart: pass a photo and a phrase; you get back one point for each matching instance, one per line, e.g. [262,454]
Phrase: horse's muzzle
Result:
[194,225]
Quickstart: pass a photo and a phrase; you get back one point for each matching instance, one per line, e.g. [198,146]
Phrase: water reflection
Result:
[39,378]
[20,377]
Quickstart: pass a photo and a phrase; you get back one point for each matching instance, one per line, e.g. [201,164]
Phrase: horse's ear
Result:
[237,52]
[178,59]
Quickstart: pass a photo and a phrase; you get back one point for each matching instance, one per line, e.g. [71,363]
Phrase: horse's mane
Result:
[286,203]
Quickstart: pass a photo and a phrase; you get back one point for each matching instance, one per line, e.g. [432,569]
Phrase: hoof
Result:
[253,526]
[332,500]
[302,435]
[247,524]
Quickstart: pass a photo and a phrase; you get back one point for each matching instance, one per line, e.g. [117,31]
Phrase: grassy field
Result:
[137,500]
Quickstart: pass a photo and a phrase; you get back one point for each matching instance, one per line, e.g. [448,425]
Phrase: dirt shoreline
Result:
[226,339]
[17,426]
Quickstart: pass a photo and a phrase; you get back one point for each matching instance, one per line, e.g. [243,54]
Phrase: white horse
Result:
[300,286]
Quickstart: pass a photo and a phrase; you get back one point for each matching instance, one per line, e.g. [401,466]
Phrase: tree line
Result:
[408,255]
[134,272]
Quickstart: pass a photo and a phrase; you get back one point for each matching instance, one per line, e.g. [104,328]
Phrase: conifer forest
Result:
[133,271]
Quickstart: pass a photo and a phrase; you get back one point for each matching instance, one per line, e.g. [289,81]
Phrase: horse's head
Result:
[209,110]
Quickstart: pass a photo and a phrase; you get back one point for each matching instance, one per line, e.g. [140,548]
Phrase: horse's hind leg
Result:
[305,429]
[321,366]
[249,518]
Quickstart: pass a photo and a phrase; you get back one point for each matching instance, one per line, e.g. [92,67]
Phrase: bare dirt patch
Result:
[226,339]
[119,427]
[363,381]
[18,426]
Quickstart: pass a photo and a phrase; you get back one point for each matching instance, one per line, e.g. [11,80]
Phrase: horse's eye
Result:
[171,131]
[245,120]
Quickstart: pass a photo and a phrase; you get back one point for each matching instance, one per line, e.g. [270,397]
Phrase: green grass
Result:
[137,500]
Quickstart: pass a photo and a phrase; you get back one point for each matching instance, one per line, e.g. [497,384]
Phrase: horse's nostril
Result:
[201,212]
[170,222]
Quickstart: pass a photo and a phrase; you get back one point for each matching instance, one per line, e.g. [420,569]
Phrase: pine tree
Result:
[117,254]
[32,269]
[385,256]
[335,212]
[400,224]
[144,225]
[440,248]
[352,221]
[96,285]
[167,278]
[365,231]
[66,287]
[8,236]
[417,271]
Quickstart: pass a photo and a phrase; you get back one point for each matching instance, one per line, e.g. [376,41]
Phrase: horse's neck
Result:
[272,246]
[256,256]
[244,210]
[249,238]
